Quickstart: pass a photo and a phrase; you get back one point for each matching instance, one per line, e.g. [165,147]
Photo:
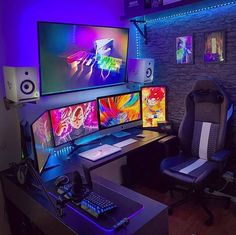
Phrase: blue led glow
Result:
[63,152]
[191,11]
[186,13]
[137,44]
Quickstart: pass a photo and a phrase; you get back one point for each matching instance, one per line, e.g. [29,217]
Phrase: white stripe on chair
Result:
[203,146]
[193,166]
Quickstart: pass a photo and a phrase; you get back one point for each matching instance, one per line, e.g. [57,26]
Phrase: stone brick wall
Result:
[180,78]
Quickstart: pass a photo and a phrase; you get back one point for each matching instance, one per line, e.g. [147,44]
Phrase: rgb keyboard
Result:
[96,205]
[90,201]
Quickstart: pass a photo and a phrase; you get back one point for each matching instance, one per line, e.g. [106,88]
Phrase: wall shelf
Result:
[138,9]
[143,32]
[10,104]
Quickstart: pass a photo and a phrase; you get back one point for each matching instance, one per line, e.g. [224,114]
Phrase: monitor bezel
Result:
[149,86]
[118,125]
[33,142]
[71,141]
[86,88]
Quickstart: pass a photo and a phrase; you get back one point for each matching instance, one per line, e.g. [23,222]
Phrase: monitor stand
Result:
[121,134]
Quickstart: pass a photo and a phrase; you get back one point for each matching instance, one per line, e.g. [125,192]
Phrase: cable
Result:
[36,177]
[226,184]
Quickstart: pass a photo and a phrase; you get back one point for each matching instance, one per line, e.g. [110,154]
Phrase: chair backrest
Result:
[207,111]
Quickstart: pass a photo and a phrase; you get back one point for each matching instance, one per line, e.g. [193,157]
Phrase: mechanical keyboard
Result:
[89,201]
[125,143]
[99,152]
[96,205]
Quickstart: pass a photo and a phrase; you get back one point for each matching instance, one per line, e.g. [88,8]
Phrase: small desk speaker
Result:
[140,70]
[21,84]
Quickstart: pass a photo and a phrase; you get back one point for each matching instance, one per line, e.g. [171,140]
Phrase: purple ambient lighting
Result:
[93,222]
[84,216]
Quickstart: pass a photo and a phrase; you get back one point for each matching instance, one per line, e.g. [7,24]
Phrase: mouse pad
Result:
[149,135]
[126,208]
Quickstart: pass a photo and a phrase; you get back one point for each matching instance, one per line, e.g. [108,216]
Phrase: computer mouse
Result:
[61,180]
[141,136]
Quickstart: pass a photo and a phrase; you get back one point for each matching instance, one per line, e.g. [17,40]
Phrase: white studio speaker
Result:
[21,84]
[140,70]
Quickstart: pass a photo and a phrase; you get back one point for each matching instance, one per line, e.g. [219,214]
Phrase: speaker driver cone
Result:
[27,87]
[148,73]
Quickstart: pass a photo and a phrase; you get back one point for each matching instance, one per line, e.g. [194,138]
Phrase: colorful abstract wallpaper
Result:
[119,109]
[184,50]
[153,106]
[72,122]
[75,57]
[43,139]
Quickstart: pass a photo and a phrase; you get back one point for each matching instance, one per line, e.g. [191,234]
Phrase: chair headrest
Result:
[206,84]
[207,90]
[209,96]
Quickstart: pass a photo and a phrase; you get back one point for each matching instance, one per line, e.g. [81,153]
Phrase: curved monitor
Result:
[153,105]
[74,121]
[42,140]
[117,110]
[76,57]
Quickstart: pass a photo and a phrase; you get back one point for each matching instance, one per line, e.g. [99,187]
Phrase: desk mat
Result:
[126,208]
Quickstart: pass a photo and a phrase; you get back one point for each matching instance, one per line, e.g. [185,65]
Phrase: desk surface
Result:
[150,137]
[153,219]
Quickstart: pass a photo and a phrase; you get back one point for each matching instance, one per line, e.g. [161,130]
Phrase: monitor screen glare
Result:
[75,121]
[43,139]
[76,57]
[153,105]
[119,109]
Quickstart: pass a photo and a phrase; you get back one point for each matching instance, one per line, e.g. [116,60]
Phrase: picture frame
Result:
[148,4]
[214,47]
[184,49]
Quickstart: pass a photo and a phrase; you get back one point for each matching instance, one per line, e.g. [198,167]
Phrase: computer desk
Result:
[150,138]
[152,219]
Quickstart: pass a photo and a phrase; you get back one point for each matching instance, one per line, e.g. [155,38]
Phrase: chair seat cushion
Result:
[182,172]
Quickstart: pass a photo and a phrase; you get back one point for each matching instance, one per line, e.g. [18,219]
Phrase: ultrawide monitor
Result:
[119,109]
[76,57]
[74,121]
[42,140]
[153,105]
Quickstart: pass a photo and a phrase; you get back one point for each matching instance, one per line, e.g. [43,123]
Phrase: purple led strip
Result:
[135,213]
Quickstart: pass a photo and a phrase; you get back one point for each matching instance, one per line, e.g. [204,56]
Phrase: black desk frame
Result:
[152,219]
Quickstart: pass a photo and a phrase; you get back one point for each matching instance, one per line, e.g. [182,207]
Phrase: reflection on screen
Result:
[119,109]
[72,122]
[153,105]
[43,139]
[75,57]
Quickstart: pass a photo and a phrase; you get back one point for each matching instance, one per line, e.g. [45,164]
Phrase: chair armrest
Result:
[221,156]
[170,144]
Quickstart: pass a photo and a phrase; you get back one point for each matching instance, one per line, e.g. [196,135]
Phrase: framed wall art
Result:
[184,50]
[214,50]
